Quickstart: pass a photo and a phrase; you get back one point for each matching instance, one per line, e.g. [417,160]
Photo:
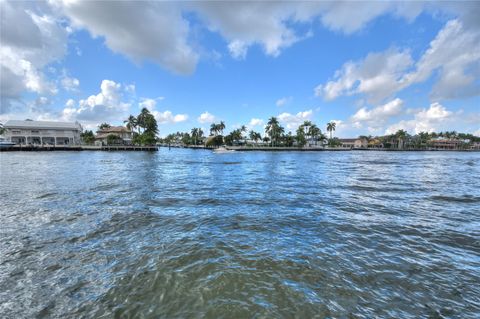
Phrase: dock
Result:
[50,148]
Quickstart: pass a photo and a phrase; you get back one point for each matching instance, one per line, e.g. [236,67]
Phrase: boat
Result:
[222,150]
[5,144]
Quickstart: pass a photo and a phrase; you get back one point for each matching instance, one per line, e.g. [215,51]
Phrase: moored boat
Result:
[5,144]
[223,150]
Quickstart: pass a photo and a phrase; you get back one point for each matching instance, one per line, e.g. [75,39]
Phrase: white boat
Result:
[222,150]
[5,144]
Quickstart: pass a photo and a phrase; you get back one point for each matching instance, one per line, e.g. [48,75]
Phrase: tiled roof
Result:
[42,125]
[114,129]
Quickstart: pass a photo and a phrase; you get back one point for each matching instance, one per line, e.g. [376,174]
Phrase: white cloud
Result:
[283,101]
[31,38]
[105,106]
[70,83]
[378,116]
[166,117]
[378,76]
[70,103]
[454,53]
[244,24]
[206,118]
[130,88]
[293,121]
[148,103]
[255,122]
[425,120]
[144,30]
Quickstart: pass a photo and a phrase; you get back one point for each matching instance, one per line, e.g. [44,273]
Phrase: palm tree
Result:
[104,126]
[314,132]
[194,132]
[221,127]
[214,129]
[131,122]
[255,136]
[142,118]
[273,128]
[331,128]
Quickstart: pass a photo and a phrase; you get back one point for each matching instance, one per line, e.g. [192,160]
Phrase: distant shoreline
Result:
[130,148]
[313,149]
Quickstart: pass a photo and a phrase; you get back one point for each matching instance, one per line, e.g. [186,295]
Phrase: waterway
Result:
[192,234]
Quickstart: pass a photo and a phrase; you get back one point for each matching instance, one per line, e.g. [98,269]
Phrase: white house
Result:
[42,132]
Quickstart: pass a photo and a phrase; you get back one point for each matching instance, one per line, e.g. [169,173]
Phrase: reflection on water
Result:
[190,233]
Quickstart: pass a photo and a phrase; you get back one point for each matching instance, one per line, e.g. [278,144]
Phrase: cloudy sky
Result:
[373,67]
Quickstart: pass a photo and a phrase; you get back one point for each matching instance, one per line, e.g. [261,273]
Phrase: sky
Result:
[372,67]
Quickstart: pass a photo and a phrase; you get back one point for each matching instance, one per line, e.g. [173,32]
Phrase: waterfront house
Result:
[375,143]
[353,142]
[475,146]
[446,143]
[123,135]
[42,132]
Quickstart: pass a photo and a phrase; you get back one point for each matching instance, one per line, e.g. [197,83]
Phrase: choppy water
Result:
[189,233]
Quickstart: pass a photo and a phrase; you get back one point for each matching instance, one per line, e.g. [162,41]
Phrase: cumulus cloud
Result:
[32,37]
[378,76]
[206,118]
[165,117]
[293,121]
[70,83]
[255,122]
[454,53]
[283,101]
[105,106]
[146,30]
[377,116]
[270,23]
[425,120]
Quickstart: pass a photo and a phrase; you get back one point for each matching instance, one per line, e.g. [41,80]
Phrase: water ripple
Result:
[185,233]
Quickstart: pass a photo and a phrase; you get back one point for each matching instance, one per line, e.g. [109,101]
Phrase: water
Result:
[190,233]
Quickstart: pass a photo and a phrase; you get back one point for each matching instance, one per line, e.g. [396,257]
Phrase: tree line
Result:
[144,130]
[274,135]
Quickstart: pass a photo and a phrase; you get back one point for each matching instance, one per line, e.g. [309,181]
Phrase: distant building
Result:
[375,143]
[353,142]
[446,144]
[475,146]
[123,134]
[42,132]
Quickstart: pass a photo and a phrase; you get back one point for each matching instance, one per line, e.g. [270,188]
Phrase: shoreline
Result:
[78,148]
[130,148]
[318,149]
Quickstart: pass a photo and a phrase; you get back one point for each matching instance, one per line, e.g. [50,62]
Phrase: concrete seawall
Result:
[44,148]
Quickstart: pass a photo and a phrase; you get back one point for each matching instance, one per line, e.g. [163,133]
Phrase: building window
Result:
[35,132]
[17,132]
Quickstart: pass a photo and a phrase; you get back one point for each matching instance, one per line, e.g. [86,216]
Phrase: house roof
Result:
[105,135]
[114,129]
[347,140]
[43,125]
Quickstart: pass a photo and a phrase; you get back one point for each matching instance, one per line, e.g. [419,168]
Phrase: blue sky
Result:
[373,67]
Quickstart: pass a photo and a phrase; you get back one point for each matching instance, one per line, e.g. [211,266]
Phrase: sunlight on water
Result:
[186,233]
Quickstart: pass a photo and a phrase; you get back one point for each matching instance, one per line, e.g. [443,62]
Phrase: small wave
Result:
[46,195]
[457,199]
[371,179]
